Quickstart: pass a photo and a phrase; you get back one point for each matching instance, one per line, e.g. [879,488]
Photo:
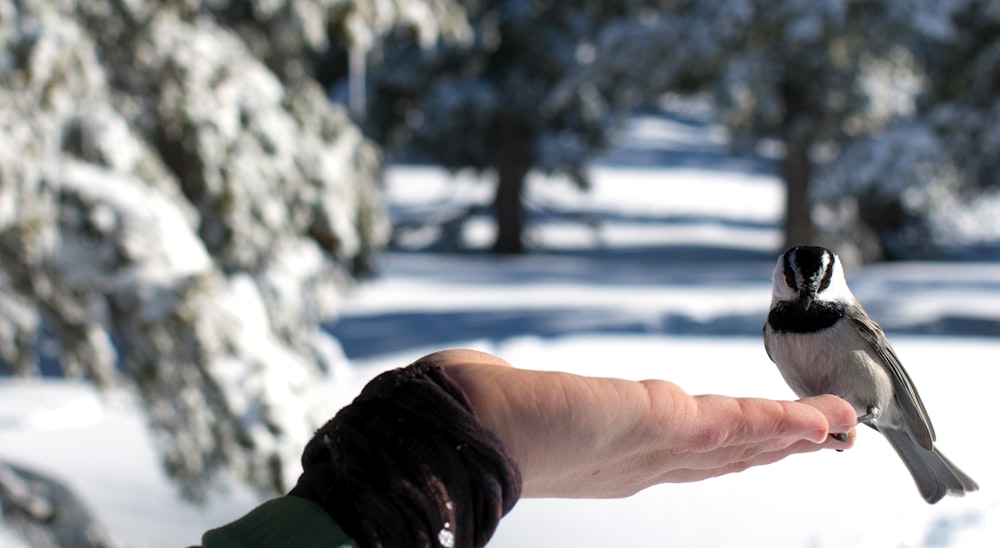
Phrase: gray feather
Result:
[915,416]
[933,473]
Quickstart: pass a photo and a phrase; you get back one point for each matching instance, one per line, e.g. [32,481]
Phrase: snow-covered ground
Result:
[669,278]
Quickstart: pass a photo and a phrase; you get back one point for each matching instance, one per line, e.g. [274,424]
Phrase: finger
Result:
[723,421]
[833,443]
[723,466]
[725,461]
[801,446]
[463,356]
[840,414]
[727,457]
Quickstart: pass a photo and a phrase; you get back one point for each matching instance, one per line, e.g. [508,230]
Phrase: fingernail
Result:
[817,436]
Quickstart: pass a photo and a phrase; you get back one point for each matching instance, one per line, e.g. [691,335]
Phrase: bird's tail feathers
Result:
[934,474]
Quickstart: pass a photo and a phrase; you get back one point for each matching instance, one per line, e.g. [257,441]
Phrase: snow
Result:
[158,240]
[99,446]
[671,280]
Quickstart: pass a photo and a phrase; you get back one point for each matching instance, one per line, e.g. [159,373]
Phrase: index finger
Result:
[840,414]
[724,421]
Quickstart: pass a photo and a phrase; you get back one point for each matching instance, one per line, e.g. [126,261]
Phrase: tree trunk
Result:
[796,171]
[796,166]
[512,162]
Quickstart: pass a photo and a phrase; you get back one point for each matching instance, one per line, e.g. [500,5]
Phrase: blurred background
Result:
[219,219]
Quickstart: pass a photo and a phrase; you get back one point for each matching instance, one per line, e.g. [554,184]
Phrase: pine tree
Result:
[181,206]
[909,187]
[791,71]
[507,101]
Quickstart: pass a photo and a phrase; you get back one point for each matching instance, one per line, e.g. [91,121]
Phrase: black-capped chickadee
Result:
[823,342]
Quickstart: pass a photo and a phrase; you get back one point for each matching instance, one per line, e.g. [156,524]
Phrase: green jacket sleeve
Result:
[281,522]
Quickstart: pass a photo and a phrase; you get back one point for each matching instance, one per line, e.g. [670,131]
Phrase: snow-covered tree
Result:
[792,71]
[910,186]
[958,44]
[880,198]
[506,101]
[180,208]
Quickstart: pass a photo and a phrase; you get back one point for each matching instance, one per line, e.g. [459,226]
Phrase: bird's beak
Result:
[807,300]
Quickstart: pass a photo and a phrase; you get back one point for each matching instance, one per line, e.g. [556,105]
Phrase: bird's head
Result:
[809,274]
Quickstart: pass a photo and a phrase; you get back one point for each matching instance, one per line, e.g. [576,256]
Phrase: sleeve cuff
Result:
[409,464]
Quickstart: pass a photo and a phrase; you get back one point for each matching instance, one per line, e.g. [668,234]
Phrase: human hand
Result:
[575,436]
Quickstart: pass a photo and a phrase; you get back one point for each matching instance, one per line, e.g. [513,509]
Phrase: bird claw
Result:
[871,416]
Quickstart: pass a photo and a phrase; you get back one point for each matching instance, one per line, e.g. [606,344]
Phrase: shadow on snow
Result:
[605,270]
[373,335]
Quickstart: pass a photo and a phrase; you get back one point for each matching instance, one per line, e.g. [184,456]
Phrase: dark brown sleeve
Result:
[407,463]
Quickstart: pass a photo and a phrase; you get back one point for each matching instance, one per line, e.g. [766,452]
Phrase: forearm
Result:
[569,435]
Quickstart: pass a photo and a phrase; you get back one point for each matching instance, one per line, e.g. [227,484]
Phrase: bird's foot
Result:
[839,437]
[871,416]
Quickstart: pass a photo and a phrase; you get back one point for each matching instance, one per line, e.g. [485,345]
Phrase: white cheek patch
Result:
[837,290]
[826,263]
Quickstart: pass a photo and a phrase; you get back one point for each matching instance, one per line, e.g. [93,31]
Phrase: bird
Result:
[823,342]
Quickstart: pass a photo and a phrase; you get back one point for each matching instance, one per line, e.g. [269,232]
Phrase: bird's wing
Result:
[914,414]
